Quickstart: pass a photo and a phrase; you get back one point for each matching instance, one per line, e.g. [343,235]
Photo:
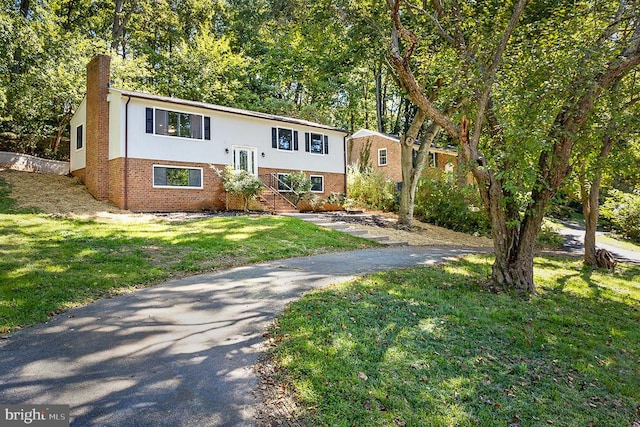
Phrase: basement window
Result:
[171,177]
[317,183]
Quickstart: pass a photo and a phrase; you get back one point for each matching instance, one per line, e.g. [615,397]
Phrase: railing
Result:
[276,185]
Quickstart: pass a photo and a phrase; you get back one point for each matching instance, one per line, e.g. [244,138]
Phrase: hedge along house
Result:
[381,152]
[149,153]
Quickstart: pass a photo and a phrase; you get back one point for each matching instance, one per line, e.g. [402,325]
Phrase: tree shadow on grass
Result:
[431,347]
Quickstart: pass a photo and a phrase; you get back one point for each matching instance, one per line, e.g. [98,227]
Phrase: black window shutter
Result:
[149,120]
[274,138]
[306,142]
[295,140]
[326,144]
[207,128]
[79,141]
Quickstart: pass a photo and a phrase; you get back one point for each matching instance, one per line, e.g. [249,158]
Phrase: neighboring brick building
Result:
[381,152]
[151,153]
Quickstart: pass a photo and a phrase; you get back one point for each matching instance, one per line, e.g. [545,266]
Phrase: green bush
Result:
[300,185]
[371,189]
[622,212]
[549,238]
[440,200]
[241,183]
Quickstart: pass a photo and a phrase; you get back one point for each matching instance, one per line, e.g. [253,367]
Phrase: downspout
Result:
[344,150]
[126,154]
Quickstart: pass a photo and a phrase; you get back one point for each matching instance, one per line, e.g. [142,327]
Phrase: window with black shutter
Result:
[149,114]
[283,139]
[207,128]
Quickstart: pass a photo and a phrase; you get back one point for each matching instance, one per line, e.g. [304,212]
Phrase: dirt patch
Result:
[67,197]
[386,224]
[54,194]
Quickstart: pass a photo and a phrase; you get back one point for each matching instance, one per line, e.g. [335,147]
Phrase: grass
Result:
[50,264]
[431,347]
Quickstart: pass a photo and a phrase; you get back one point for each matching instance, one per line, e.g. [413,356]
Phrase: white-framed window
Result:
[316,143]
[80,137]
[178,124]
[284,139]
[317,183]
[433,159]
[177,177]
[382,157]
[283,184]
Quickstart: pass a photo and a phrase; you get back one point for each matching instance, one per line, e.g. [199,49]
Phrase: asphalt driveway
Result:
[180,353]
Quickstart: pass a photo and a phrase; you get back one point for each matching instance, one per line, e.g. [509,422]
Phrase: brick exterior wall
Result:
[333,182]
[443,158]
[96,174]
[393,169]
[142,196]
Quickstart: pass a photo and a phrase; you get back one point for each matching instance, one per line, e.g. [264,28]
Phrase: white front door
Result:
[244,158]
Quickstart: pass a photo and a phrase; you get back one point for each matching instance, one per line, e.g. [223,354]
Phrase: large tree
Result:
[582,48]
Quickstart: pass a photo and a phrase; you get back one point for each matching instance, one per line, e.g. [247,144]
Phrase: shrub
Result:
[241,183]
[299,183]
[371,189]
[549,238]
[441,201]
[622,211]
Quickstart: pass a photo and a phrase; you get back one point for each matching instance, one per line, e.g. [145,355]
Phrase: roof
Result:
[363,133]
[223,109]
[366,132]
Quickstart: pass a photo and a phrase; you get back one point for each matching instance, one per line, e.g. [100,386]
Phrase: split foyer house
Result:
[381,152]
[150,153]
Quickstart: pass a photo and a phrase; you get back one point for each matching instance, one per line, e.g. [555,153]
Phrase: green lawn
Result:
[430,346]
[50,264]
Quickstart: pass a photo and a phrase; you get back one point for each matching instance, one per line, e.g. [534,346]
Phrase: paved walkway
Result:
[180,353]
[574,243]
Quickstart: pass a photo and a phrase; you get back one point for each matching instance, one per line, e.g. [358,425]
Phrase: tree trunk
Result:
[24,8]
[379,100]
[407,197]
[411,172]
[591,202]
[120,21]
[514,241]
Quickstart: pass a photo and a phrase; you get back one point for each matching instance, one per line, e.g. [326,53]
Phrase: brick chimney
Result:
[97,127]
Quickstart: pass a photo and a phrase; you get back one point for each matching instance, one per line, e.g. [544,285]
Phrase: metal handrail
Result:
[271,181]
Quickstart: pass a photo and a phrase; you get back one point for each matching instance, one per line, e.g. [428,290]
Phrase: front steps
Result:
[275,203]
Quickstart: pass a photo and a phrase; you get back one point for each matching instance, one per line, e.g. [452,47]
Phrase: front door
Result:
[244,158]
